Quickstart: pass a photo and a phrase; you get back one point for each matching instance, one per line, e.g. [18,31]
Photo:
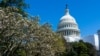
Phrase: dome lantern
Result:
[67,10]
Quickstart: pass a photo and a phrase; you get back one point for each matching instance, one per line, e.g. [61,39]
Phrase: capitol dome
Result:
[67,17]
[68,27]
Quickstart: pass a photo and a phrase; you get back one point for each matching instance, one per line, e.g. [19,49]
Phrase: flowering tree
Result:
[11,31]
[20,36]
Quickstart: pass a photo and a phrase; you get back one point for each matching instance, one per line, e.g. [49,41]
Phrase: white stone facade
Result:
[99,38]
[68,27]
[93,39]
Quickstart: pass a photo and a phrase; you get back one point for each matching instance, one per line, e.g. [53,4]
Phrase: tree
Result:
[72,53]
[11,32]
[81,49]
[21,36]
[46,42]
[91,49]
[18,4]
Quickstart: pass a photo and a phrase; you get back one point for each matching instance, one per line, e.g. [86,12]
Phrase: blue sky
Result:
[86,13]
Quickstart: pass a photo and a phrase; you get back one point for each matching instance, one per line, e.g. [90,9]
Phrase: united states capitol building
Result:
[68,27]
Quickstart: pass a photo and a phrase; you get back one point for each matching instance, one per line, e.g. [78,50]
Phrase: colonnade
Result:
[69,32]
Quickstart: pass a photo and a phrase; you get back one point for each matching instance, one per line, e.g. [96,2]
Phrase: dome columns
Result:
[69,33]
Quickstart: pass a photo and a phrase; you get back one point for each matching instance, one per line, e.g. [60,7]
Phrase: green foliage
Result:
[91,49]
[72,53]
[84,55]
[21,52]
[19,4]
[81,49]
